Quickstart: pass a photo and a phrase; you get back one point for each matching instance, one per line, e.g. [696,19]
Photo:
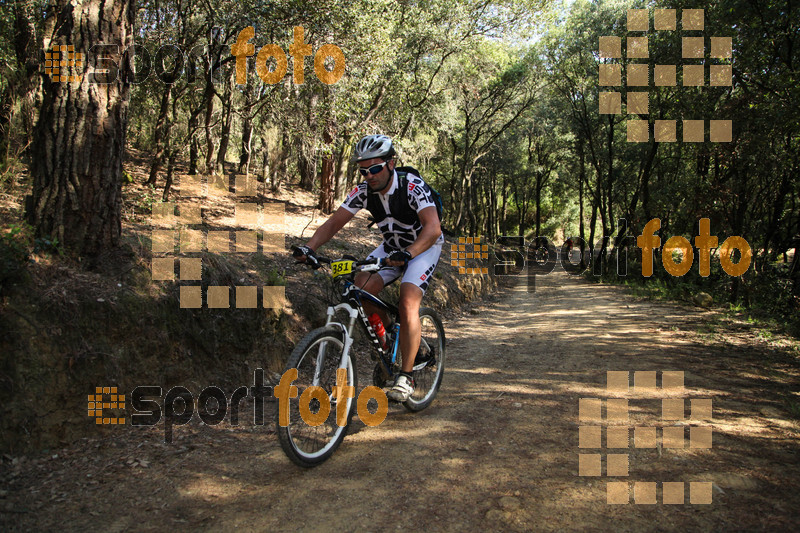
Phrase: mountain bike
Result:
[323,351]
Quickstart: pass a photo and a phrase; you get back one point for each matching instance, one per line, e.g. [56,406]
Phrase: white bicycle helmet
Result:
[373,146]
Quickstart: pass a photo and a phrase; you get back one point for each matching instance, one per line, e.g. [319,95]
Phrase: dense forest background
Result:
[496,102]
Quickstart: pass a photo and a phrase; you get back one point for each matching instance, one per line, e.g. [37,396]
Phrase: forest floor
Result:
[498,449]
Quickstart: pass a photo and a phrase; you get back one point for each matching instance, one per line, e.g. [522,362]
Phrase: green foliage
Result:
[147,200]
[48,245]
[10,168]
[497,103]
[15,247]
[276,277]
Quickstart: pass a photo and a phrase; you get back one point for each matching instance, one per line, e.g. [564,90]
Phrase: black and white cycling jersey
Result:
[395,213]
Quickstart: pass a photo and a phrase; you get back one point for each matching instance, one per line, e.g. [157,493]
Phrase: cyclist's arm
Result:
[431,229]
[330,228]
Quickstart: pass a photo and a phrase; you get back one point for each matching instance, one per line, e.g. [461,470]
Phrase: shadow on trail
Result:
[499,446]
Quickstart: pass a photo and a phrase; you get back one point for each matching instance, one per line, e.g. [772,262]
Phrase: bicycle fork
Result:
[348,338]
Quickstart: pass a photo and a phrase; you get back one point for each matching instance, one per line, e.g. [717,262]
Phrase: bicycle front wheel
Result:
[318,354]
[429,363]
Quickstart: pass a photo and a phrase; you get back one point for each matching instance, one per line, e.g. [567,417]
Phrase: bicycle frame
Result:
[309,445]
[355,309]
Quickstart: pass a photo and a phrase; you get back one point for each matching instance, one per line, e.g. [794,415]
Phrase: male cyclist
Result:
[412,242]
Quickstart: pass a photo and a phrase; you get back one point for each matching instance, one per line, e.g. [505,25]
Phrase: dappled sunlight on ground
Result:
[498,448]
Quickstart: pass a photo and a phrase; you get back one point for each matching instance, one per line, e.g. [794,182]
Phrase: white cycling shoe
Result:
[402,390]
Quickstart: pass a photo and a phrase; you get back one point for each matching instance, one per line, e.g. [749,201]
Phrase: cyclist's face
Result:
[378,182]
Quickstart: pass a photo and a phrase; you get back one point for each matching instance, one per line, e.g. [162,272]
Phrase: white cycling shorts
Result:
[419,270]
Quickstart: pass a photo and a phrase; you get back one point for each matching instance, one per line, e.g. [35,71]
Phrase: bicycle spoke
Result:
[317,359]
[428,367]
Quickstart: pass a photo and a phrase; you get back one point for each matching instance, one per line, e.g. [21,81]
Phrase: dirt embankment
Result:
[68,329]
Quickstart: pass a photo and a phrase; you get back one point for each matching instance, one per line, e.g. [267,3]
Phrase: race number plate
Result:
[340,268]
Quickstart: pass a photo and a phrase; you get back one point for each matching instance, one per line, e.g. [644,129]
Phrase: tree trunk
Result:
[581,178]
[194,145]
[227,113]
[247,141]
[264,160]
[247,148]
[26,48]
[326,186]
[80,136]
[159,136]
[247,132]
[306,165]
[209,98]
[609,211]
[170,170]
[492,211]
[504,208]
[538,204]
[794,271]
[340,179]
[592,223]
[6,115]
[279,169]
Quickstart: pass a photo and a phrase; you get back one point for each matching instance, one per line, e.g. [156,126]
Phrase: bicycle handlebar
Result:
[376,263]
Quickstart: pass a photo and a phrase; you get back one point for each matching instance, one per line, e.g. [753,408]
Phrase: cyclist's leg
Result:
[415,281]
[374,283]
[410,300]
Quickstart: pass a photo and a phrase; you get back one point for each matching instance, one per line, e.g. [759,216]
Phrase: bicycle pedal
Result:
[424,356]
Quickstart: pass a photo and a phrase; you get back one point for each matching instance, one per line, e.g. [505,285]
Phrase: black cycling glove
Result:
[401,255]
[311,257]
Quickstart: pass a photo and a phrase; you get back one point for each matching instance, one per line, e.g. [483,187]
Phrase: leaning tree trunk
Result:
[194,144]
[209,97]
[247,131]
[159,136]
[79,140]
[227,114]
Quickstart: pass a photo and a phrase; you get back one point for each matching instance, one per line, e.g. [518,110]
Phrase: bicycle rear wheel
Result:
[320,351]
[429,363]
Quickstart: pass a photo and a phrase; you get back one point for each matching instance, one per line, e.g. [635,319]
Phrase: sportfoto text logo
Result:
[178,405]
[103,62]
[513,254]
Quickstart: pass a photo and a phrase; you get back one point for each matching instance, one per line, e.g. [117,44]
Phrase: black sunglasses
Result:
[374,169]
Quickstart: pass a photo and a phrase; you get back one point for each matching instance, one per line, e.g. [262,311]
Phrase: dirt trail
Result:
[497,449]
